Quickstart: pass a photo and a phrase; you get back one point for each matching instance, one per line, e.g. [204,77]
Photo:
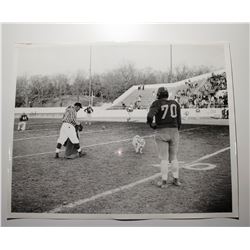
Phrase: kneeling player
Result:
[168,121]
[22,122]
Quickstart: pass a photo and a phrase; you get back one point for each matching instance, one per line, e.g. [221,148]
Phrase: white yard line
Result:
[128,186]
[93,145]
[38,137]
[88,146]
[32,130]
[101,195]
[208,156]
[190,129]
[30,155]
[40,124]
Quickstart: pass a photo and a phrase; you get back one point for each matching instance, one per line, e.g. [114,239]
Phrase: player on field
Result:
[68,129]
[167,116]
[89,110]
[22,122]
[130,110]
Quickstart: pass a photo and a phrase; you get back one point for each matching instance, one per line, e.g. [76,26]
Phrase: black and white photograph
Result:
[124,130]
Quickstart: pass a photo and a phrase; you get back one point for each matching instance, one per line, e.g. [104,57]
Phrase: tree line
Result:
[42,90]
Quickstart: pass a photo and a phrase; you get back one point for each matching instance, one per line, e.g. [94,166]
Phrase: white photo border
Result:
[233,152]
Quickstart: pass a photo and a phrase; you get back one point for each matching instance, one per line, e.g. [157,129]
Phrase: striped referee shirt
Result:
[70,116]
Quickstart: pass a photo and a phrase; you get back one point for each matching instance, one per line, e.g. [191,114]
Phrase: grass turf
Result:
[41,183]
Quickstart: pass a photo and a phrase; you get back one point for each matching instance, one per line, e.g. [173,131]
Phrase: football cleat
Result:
[161,184]
[57,155]
[176,182]
[81,154]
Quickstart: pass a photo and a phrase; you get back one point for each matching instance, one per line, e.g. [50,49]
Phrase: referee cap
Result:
[78,104]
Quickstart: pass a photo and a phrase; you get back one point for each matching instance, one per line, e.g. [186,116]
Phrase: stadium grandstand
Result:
[204,91]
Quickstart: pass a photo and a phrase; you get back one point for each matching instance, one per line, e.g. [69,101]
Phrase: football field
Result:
[112,178]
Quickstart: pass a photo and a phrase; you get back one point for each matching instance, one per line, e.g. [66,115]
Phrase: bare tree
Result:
[80,84]
[61,81]
[22,91]
[146,76]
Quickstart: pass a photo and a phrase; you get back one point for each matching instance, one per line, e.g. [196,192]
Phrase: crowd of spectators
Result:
[204,93]
[211,94]
[135,105]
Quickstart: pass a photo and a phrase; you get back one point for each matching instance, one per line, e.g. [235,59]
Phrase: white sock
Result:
[175,168]
[79,150]
[164,169]
[57,150]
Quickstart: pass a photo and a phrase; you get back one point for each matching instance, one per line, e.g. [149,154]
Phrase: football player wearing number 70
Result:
[167,116]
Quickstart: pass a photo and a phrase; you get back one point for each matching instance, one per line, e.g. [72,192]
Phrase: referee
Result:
[68,129]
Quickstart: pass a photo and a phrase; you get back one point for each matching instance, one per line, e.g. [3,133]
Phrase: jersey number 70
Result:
[173,111]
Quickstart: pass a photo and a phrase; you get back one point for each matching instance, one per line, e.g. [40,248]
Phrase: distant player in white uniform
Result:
[130,110]
[167,116]
[68,130]
[89,110]
[22,122]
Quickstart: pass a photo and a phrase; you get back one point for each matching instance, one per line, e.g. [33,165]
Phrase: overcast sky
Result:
[71,58]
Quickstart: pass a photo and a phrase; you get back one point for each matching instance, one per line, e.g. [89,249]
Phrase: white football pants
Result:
[21,126]
[67,131]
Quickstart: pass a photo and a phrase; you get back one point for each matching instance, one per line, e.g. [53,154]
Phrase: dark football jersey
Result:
[23,118]
[89,110]
[167,114]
